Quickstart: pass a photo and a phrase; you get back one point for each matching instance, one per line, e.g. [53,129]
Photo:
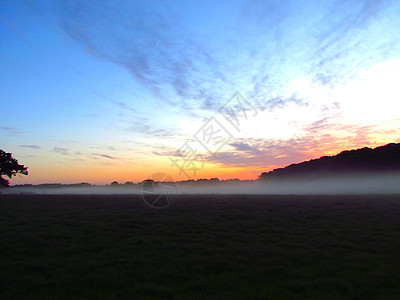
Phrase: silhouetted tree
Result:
[9,167]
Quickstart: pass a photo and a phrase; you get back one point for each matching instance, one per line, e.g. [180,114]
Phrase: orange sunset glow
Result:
[196,97]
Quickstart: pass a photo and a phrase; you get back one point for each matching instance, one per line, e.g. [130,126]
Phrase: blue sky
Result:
[102,90]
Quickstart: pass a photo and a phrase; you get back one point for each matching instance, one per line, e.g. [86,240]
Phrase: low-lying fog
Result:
[350,184]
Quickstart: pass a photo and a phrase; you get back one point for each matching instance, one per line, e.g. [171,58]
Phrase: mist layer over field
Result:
[387,183]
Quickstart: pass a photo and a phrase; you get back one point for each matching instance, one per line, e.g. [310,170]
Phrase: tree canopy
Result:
[9,167]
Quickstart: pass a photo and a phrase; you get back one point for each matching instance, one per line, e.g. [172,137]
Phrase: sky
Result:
[97,91]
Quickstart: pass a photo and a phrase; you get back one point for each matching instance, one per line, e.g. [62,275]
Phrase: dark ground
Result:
[202,247]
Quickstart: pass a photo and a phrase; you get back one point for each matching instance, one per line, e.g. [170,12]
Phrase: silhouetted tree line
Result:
[115,184]
[365,160]
[184,182]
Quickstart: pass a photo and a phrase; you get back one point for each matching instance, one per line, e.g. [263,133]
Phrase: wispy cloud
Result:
[119,103]
[104,156]
[144,126]
[318,139]
[60,150]
[124,106]
[265,39]
[85,156]
[240,146]
[30,146]
[162,150]
[150,41]
[11,131]
[155,43]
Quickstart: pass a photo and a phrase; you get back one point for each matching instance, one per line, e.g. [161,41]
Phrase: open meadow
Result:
[201,247]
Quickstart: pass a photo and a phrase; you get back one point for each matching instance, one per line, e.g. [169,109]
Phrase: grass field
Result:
[202,247]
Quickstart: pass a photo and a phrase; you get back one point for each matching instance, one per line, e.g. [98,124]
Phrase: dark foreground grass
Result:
[203,247]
